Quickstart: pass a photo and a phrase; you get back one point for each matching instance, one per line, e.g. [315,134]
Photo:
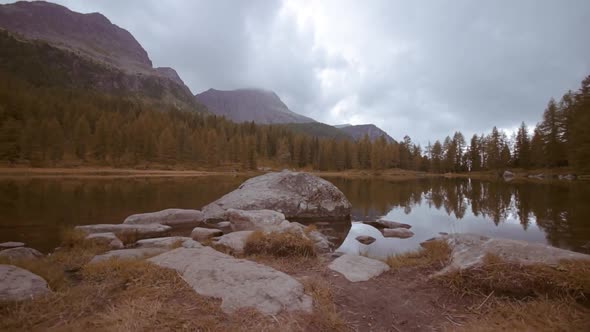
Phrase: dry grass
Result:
[279,245]
[432,254]
[325,316]
[568,279]
[536,315]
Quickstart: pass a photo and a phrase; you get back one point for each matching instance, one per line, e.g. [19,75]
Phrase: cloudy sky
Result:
[423,68]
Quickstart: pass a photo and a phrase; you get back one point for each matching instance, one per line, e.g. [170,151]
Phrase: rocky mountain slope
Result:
[48,43]
[358,132]
[245,105]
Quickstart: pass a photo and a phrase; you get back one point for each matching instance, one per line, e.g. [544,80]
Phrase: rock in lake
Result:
[170,217]
[125,230]
[507,175]
[20,253]
[296,195]
[365,239]
[469,251]
[107,239]
[11,244]
[202,234]
[400,233]
[239,283]
[223,224]
[18,284]
[358,268]
[379,224]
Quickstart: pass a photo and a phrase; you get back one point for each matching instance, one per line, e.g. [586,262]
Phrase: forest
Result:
[44,126]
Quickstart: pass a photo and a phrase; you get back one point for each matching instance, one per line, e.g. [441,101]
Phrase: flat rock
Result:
[223,224]
[365,239]
[20,253]
[235,240]
[18,284]
[122,230]
[469,251]
[108,239]
[239,283]
[296,195]
[170,217]
[128,254]
[170,242]
[202,234]
[400,233]
[387,224]
[358,268]
[264,220]
[11,244]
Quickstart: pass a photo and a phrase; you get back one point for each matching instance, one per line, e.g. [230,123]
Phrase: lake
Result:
[35,210]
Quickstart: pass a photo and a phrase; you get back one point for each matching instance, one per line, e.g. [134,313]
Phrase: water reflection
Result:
[555,213]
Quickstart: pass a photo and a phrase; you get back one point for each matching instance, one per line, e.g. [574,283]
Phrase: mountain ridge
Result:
[250,104]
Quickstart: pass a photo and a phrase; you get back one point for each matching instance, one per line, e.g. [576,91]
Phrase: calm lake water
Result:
[34,210]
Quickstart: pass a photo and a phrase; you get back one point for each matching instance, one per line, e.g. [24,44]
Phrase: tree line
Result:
[47,126]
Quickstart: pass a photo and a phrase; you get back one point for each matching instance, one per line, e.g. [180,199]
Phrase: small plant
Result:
[279,245]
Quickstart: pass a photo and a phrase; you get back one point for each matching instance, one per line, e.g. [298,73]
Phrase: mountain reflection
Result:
[559,209]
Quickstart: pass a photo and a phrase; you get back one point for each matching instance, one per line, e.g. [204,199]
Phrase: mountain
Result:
[50,44]
[343,126]
[245,105]
[318,129]
[359,131]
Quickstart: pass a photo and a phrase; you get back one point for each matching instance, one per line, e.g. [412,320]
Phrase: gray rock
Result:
[365,239]
[108,239]
[122,230]
[223,224]
[321,242]
[387,224]
[469,251]
[296,195]
[128,254]
[263,220]
[358,268]
[18,284]
[238,283]
[235,241]
[171,242]
[170,217]
[401,233]
[568,177]
[11,244]
[20,253]
[202,234]
[507,175]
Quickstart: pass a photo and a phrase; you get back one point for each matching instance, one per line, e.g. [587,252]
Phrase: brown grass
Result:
[325,317]
[568,279]
[279,245]
[432,254]
[536,315]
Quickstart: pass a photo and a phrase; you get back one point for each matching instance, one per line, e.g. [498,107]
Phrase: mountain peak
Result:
[250,104]
[358,132]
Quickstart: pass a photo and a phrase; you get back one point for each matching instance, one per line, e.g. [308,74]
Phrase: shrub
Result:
[279,245]
[432,254]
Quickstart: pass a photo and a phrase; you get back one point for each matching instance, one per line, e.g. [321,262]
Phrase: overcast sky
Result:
[423,68]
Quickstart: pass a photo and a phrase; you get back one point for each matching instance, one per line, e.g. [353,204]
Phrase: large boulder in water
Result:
[296,195]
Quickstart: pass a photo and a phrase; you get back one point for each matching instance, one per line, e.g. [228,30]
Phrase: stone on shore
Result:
[18,284]
[125,230]
[170,242]
[128,254]
[255,220]
[357,268]
[469,250]
[11,244]
[107,239]
[20,253]
[170,217]
[202,234]
[296,195]
[235,241]
[400,233]
[238,283]
[365,239]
